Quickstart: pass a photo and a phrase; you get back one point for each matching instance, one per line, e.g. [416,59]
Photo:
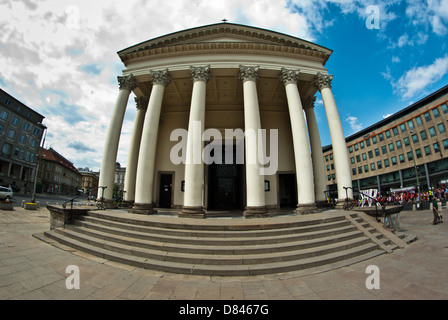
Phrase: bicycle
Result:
[348,204]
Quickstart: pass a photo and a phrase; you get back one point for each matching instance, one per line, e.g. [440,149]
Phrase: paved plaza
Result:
[33,269]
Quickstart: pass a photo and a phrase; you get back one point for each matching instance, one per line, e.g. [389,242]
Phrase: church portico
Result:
[230,79]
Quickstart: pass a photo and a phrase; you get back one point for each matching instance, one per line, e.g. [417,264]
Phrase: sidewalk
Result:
[32,269]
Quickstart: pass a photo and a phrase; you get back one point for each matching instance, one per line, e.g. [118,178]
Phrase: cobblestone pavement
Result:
[33,269]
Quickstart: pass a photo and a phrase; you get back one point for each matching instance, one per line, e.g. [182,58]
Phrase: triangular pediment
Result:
[225,33]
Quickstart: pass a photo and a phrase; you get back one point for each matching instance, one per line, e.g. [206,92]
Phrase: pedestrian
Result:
[435,211]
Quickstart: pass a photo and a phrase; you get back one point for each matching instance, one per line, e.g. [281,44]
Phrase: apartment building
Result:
[21,131]
[407,149]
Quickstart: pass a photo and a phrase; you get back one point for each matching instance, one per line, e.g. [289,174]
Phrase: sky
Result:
[59,57]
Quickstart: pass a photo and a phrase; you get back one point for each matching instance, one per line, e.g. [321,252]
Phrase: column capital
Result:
[309,103]
[289,76]
[127,82]
[323,80]
[142,102]
[249,73]
[160,77]
[200,73]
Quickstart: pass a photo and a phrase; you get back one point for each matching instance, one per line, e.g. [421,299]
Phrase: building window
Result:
[383,149]
[350,149]
[361,144]
[441,127]
[414,138]
[395,131]
[352,160]
[358,158]
[394,160]
[364,157]
[366,168]
[432,131]
[436,147]
[1,128]
[15,121]
[410,156]
[377,152]
[372,167]
[26,126]
[359,170]
[381,137]
[427,150]
[22,138]
[401,158]
[386,162]
[36,132]
[435,112]
[445,144]
[403,127]
[444,108]
[368,142]
[391,147]
[399,145]
[370,154]
[11,134]
[418,119]
[410,125]
[406,141]
[379,165]
[427,116]
[418,153]
[356,147]
[354,171]
[387,134]
[374,140]
[3,115]
[423,135]
[6,149]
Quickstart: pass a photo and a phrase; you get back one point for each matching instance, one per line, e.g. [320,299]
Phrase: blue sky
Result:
[59,56]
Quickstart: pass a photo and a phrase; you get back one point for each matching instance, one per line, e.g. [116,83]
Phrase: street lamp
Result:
[416,175]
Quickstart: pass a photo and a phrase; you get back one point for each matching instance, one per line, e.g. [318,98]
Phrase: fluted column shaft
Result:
[340,153]
[134,148]
[302,152]
[256,203]
[144,190]
[194,167]
[107,171]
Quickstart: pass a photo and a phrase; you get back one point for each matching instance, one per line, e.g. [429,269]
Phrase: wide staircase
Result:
[228,247]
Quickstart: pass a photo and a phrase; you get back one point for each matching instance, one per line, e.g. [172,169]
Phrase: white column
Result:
[194,167]
[320,185]
[302,152]
[255,197]
[341,159]
[134,148]
[144,188]
[107,172]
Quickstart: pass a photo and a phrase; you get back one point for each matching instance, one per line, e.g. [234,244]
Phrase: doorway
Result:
[225,185]
[165,190]
[287,190]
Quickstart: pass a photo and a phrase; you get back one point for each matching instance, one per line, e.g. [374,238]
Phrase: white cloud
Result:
[418,78]
[354,123]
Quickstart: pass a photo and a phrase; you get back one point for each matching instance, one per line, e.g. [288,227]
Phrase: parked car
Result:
[6,193]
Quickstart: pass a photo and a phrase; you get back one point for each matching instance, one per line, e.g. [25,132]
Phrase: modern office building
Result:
[406,149]
[21,131]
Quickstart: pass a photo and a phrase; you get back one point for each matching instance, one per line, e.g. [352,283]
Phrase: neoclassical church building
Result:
[225,121]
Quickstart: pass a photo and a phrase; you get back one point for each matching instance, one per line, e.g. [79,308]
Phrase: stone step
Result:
[212,224]
[219,238]
[99,238]
[347,252]
[187,232]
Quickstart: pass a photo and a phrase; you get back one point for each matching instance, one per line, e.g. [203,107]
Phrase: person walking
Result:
[435,211]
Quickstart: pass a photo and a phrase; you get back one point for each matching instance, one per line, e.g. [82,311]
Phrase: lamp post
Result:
[44,135]
[416,175]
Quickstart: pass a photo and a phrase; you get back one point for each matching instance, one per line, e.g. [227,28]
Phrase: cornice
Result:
[207,38]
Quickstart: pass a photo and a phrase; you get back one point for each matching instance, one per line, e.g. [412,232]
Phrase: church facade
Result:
[225,120]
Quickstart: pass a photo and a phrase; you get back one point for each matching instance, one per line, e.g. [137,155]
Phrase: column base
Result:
[307,209]
[322,204]
[256,212]
[192,212]
[143,208]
